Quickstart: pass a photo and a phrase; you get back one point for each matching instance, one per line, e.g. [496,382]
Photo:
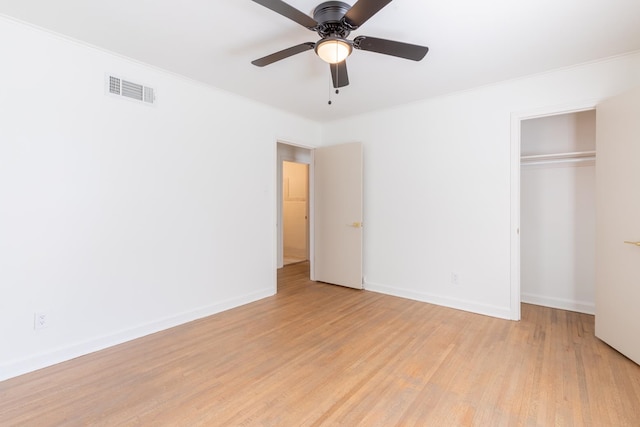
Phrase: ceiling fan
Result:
[334,21]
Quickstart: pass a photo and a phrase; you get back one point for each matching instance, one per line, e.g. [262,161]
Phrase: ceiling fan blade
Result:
[339,74]
[390,47]
[290,12]
[363,10]
[285,53]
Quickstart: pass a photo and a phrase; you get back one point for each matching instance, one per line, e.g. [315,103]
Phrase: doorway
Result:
[557,211]
[517,120]
[301,156]
[295,212]
[334,209]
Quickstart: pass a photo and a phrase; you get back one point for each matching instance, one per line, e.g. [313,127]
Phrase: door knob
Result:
[355,225]
[632,243]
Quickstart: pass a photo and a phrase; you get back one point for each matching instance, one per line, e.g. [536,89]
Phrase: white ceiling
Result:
[472,43]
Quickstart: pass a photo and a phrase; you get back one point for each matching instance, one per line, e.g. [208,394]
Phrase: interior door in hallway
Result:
[618,223]
[338,184]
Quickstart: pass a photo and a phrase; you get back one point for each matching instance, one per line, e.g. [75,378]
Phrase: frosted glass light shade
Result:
[333,50]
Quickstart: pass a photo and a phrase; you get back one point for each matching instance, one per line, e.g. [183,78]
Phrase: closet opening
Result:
[557,211]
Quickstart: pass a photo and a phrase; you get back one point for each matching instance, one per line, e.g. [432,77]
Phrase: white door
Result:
[618,221]
[338,215]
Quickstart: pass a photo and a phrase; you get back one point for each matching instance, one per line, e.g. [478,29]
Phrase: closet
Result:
[557,228]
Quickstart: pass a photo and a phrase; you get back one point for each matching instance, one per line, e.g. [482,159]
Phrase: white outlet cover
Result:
[454,278]
[40,320]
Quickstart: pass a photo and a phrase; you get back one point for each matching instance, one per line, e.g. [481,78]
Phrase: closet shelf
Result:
[574,157]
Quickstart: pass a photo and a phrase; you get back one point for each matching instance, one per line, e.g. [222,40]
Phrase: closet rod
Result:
[559,161]
[558,158]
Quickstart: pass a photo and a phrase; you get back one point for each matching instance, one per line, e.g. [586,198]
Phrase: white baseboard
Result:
[43,360]
[458,304]
[561,303]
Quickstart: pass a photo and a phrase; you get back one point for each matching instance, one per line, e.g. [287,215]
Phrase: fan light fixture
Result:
[333,21]
[333,50]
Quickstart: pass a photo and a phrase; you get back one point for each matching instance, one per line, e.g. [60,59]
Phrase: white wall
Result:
[558,214]
[437,183]
[119,219]
[562,133]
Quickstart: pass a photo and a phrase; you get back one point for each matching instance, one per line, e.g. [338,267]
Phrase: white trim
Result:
[516,119]
[514,230]
[458,304]
[22,366]
[294,144]
[312,215]
[560,303]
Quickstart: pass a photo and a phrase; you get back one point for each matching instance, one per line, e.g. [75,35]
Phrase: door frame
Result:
[279,196]
[514,229]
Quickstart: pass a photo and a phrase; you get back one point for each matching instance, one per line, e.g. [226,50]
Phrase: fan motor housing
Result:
[329,16]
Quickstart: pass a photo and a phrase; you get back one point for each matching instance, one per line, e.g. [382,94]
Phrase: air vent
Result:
[114,85]
[121,87]
[149,95]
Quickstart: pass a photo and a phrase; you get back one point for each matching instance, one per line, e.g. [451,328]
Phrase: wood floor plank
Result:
[322,355]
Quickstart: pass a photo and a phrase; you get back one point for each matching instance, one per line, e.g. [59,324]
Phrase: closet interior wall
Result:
[558,211]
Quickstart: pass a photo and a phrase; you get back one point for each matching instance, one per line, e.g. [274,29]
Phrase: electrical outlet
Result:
[40,320]
[454,279]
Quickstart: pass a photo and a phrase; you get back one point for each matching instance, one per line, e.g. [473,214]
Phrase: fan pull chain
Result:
[330,90]
[337,84]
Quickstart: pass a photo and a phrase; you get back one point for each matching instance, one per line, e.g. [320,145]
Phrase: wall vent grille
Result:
[121,87]
[114,85]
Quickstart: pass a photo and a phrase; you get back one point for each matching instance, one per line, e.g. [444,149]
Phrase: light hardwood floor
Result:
[318,354]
